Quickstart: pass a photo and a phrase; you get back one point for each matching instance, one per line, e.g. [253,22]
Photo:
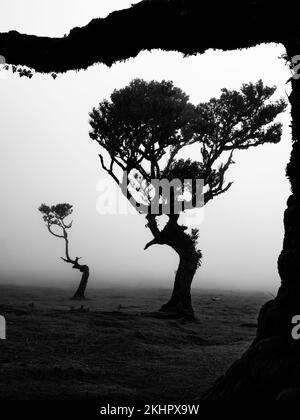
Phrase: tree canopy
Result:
[54,216]
[145,126]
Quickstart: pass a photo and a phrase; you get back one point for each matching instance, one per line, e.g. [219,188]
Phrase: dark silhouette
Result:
[147,124]
[235,25]
[54,217]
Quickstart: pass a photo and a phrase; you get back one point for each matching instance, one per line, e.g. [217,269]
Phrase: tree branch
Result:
[77,50]
[153,242]
[53,233]
[109,171]
[124,186]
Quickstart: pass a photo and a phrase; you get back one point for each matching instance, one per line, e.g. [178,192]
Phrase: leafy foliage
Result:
[141,121]
[56,215]
[239,120]
[146,124]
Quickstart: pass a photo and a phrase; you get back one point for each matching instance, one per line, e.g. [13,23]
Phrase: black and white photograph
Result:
[150,197]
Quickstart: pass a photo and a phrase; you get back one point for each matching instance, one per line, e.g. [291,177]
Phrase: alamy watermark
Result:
[159,196]
[296,328]
[2,328]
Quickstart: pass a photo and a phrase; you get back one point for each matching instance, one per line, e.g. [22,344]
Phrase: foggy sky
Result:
[47,156]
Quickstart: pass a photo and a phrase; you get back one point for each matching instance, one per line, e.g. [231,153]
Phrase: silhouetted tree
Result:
[144,127]
[54,217]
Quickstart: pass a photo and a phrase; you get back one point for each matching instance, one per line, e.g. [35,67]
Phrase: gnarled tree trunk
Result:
[84,269]
[80,292]
[183,244]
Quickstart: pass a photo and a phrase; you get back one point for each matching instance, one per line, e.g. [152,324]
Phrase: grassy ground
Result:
[115,350]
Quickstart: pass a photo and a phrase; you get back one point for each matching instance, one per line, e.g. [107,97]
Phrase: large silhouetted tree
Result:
[147,124]
[55,219]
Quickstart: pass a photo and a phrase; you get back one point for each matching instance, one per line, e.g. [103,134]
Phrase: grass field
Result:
[112,349]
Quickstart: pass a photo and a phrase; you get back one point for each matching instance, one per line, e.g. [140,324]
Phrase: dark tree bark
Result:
[175,236]
[84,269]
[188,262]
[154,24]
[80,292]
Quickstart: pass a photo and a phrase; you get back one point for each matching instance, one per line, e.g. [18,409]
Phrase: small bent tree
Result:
[54,217]
[145,126]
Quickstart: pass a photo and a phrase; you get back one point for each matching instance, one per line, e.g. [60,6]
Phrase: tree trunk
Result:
[181,301]
[189,258]
[80,293]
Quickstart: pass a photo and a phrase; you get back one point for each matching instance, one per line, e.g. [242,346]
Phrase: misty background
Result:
[47,156]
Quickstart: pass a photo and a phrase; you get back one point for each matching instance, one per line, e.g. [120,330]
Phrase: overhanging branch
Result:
[150,25]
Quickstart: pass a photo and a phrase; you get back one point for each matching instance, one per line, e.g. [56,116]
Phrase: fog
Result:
[47,156]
